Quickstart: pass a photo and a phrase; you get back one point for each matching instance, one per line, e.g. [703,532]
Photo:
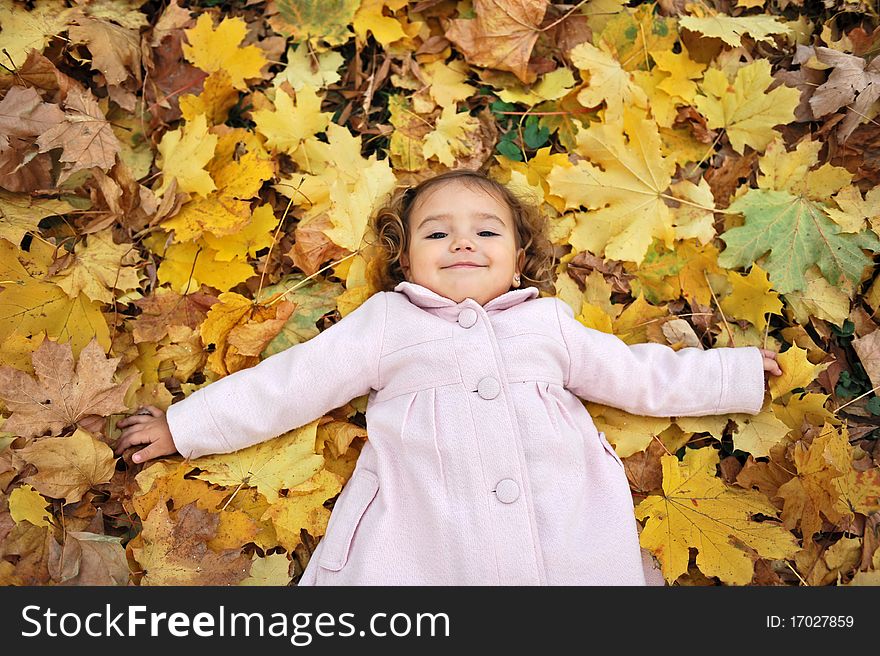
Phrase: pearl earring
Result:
[516,280]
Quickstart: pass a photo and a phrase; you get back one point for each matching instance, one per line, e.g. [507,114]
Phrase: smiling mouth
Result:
[465,266]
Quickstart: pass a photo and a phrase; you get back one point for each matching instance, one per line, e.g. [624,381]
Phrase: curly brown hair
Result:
[390,227]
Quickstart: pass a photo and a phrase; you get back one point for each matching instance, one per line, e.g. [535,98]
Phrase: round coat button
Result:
[507,490]
[467,318]
[488,388]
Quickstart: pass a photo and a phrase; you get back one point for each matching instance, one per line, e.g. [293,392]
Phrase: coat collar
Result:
[428,300]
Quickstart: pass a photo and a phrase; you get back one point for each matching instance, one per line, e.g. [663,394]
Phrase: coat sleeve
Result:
[286,390]
[656,380]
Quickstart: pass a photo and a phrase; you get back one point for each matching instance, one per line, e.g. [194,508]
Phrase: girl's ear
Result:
[520,260]
[404,265]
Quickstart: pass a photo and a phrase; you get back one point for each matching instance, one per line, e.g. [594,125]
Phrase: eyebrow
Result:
[479,215]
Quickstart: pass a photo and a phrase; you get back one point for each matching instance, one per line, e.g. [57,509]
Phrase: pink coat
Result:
[482,466]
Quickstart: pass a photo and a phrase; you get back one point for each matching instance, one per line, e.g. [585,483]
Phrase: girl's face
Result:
[462,243]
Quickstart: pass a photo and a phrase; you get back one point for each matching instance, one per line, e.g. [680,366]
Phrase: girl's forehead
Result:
[452,187]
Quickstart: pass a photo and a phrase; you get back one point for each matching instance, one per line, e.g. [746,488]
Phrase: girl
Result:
[482,465]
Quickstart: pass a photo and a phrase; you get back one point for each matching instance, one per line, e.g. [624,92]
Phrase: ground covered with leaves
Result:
[185,190]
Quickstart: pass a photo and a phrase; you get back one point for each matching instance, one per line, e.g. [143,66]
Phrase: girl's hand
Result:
[147,426]
[770,363]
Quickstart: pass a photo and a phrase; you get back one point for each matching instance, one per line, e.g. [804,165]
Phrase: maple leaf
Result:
[502,36]
[24,114]
[743,108]
[33,307]
[314,20]
[216,99]
[26,504]
[757,434]
[68,466]
[176,553]
[24,29]
[305,69]
[626,195]
[731,29]
[115,50]
[816,491]
[608,82]
[274,569]
[798,234]
[698,510]
[277,464]
[303,508]
[20,214]
[88,559]
[289,125]
[183,154]
[854,83]
[99,268]
[369,17]
[214,49]
[61,395]
[85,135]
[751,297]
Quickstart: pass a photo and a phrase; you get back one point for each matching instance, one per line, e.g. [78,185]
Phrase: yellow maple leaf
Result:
[271,466]
[551,86]
[757,434]
[183,154]
[303,508]
[626,195]
[608,82]
[239,328]
[698,510]
[188,265]
[797,371]
[353,202]
[447,82]
[26,28]
[751,298]
[33,307]
[274,569]
[744,108]
[816,490]
[28,505]
[820,299]
[215,101]
[731,29]
[369,18]
[213,49]
[451,136]
[308,69]
[67,467]
[255,236]
[627,432]
[314,20]
[100,266]
[291,124]
[794,172]
[807,407]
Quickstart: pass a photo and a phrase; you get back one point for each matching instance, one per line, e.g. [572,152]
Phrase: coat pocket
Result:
[359,493]
[609,448]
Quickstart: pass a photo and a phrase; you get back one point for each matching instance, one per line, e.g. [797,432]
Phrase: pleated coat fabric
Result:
[482,464]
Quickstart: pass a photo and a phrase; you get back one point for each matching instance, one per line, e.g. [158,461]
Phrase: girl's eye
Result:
[488,233]
[433,235]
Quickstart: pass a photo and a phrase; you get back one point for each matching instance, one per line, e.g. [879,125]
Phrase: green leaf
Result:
[798,234]
[534,135]
[873,405]
[509,149]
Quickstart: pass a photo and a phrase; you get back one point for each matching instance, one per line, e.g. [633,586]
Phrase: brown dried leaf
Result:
[61,396]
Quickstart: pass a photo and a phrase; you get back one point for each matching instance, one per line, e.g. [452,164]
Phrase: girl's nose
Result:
[460,243]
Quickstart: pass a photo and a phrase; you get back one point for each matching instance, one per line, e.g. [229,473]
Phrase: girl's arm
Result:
[286,390]
[658,381]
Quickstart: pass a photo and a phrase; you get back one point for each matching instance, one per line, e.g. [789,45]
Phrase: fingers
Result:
[147,453]
[131,438]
